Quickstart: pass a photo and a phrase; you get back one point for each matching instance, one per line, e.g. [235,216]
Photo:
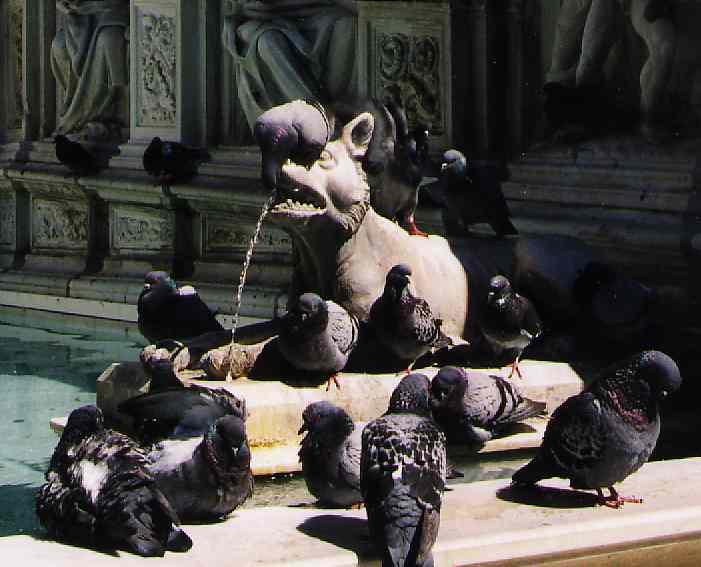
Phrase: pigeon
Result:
[172,410]
[171,162]
[403,475]
[469,201]
[658,9]
[474,407]
[99,492]
[297,131]
[510,321]
[166,311]
[74,156]
[608,431]
[614,309]
[206,477]
[330,455]
[403,323]
[317,336]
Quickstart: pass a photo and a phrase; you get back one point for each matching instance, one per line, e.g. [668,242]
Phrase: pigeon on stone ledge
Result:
[510,321]
[474,407]
[172,410]
[607,432]
[166,311]
[172,162]
[205,478]
[317,336]
[100,493]
[74,156]
[403,323]
[330,454]
[402,475]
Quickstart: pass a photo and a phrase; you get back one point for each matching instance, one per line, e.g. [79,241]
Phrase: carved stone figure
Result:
[290,49]
[89,62]
[588,29]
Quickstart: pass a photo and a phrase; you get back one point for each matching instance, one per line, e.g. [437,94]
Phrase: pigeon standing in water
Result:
[74,156]
[171,162]
[510,321]
[317,336]
[98,492]
[474,407]
[469,201]
[402,475]
[166,311]
[297,131]
[607,432]
[330,454]
[206,477]
[172,410]
[403,323]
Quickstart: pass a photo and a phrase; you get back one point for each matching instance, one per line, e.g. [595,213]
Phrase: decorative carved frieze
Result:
[227,235]
[140,229]
[59,224]
[8,221]
[156,68]
[16,13]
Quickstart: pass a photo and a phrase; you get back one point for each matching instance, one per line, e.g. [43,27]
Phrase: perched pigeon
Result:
[74,156]
[171,162]
[403,323]
[608,431]
[330,454]
[297,131]
[469,201]
[172,410]
[98,492]
[317,336]
[614,309]
[473,407]
[402,475]
[166,311]
[510,322]
[207,477]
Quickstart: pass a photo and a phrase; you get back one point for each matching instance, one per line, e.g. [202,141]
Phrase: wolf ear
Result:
[356,135]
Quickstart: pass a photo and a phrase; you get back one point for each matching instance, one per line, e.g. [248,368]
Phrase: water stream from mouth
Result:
[244,270]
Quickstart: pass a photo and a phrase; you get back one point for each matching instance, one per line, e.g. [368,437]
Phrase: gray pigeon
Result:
[474,407]
[98,492]
[510,321]
[402,476]
[330,454]
[317,336]
[403,323]
[608,431]
[207,477]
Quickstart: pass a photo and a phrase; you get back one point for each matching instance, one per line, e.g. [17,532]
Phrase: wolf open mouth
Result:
[294,199]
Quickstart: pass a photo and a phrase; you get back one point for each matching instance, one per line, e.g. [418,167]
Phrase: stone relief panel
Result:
[59,225]
[227,235]
[156,67]
[8,221]
[142,230]
[16,11]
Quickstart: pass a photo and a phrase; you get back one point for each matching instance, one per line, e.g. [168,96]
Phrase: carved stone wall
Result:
[140,230]
[16,16]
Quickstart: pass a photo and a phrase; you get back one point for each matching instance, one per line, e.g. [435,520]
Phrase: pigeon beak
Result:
[302,429]
[664,394]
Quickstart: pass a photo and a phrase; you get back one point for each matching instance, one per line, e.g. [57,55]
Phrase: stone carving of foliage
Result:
[59,225]
[16,16]
[412,63]
[142,232]
[7,221]
[158,74]
[223,237]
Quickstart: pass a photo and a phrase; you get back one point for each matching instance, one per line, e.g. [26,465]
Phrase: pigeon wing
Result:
[343,328]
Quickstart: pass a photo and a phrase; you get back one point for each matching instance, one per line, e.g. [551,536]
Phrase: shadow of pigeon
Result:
[547,497]
[342,531]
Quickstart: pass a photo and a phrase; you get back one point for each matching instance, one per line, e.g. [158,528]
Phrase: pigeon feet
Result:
[416,231]
[333,379]
[516,369]
[615,500]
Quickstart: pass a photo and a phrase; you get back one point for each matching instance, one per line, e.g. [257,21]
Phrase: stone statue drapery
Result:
[89,62]
[289,49]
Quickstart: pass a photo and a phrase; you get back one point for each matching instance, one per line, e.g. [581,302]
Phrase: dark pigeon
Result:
[474,407]
[317,336]
[295,131]
[172,410]
[510,321]
[469,201]
[330,455]
[403,323]
[172,162]
[99,493]
[207,477]
[608,431]
[74,156]
[166,311]
[403,475]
